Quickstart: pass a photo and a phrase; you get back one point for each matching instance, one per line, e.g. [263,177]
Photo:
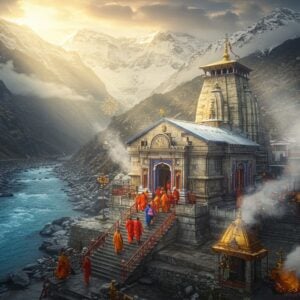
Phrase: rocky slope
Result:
[275,80]
[161,61]
[48,89]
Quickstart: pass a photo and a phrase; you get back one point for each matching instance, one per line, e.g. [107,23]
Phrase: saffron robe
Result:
[118,242]
[130,230]
[137,203]
[157,203]
[165,202]
[144,201]
[138,229]
[87,269]
[63,267]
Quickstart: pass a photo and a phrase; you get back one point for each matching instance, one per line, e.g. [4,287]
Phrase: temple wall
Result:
[193,223]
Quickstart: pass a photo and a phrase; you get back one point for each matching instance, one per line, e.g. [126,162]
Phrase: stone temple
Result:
[218,155]
[203,242]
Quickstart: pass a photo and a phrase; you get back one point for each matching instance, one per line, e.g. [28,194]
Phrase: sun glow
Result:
[44,21]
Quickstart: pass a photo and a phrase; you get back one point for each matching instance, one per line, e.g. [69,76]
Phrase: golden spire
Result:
[162,112]
[226,56]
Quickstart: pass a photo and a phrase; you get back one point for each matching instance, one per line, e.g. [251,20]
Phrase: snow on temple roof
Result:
[204,132]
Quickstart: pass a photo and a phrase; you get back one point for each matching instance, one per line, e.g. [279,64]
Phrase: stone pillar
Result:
[183,199]
[248,277]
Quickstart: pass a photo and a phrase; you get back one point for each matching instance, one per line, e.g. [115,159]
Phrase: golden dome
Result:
[239,241]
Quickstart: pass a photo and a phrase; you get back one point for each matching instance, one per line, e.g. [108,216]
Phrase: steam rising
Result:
[22,84]
[117,151]
[292,262]
[262,203]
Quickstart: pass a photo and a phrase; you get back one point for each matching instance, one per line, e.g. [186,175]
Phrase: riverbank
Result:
[37,198]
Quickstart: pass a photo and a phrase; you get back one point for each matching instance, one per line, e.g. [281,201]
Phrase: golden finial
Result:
[162,113]
[226,56]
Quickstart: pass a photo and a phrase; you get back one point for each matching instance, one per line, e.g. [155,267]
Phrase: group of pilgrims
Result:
[162,202]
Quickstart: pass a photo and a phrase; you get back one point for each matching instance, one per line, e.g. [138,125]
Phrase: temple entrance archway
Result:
[163,176]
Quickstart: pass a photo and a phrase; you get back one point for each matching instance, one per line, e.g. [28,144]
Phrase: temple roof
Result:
[203,132]
[226,62]
[238,240]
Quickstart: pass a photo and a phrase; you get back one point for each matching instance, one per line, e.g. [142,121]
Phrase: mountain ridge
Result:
[158,62]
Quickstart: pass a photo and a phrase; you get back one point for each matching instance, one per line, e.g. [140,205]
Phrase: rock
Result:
[146,281]
[188,290]
[44,246]
[30,267]
[49,229]
[195,296]
[53,249]
[60,232]
[60,221]
[37,275]
[20,279]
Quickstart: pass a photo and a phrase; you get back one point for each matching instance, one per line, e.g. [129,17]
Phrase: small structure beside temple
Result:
[240,257]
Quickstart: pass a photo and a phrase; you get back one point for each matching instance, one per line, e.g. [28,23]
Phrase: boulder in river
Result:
[49,229]
[20,279]
[60,221]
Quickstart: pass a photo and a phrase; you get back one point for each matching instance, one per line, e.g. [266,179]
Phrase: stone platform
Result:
[86,230]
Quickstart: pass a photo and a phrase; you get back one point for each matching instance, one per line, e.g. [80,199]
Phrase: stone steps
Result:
[106,264]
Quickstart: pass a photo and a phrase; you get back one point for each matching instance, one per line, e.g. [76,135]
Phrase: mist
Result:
[292,262]
[262,203]
[117,150]
[28,85]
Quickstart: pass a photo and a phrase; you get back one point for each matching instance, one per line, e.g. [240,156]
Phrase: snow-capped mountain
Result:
[134,68]
[269,32]
[49,88]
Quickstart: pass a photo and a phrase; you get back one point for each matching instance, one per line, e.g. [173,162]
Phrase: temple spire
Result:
[226,56]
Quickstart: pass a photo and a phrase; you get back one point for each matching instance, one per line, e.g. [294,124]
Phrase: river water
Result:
[39,198]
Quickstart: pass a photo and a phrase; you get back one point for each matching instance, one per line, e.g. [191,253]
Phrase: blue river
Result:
[39,198]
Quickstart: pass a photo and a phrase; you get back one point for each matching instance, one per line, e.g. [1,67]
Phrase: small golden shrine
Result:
[240,255]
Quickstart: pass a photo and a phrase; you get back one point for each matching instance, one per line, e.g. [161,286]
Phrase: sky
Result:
[56,20]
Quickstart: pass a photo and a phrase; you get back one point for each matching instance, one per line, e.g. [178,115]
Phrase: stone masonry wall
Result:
[193,224]
[82,233]
[219,220]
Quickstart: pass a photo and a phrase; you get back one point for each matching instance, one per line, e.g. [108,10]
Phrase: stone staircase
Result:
[106,264]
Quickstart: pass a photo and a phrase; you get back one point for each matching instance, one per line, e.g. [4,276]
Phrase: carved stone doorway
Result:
[163,176]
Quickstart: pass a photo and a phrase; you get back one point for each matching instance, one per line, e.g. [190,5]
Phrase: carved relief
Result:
[160,141]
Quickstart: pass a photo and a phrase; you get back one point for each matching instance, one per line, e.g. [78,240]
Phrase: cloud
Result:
[115,11]
[209,19]
[22,84]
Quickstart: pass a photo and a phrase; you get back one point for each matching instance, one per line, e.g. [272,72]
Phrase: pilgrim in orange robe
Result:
[137,202]
[164,202]
[118,241]
[87,269]
[130,229]
[138,229]
[157,203]
[63,267]
[144,201]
